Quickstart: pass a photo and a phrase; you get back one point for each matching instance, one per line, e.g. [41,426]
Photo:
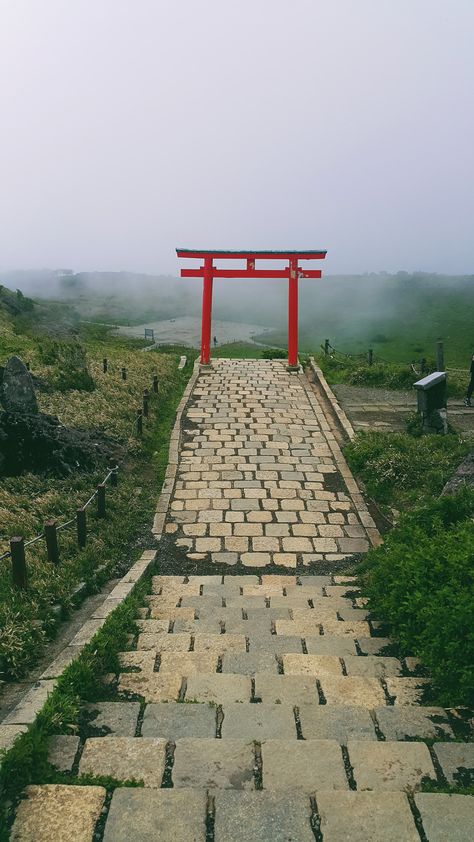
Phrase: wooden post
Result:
[423,365]
[101,500]
[105,365]
[326,347]
[124,373]
[155,383]
[146,398]
[139,423]
[439,356]
[113,475]
[19,572]
[370,356]
[28,366]
[51,536]
[81,528]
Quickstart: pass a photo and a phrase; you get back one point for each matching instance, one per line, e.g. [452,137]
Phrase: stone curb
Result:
[337,409]
[353,489]
[173,458]
[27,709]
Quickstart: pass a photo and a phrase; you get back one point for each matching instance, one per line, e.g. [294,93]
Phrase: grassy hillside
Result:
[106,406]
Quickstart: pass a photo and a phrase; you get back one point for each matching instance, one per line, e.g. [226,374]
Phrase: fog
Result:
[129,128]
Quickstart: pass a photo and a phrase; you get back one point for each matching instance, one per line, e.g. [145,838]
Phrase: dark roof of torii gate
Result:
[235,253]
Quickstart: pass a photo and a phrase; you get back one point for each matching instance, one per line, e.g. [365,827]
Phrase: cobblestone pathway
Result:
[261,478]
[259,706]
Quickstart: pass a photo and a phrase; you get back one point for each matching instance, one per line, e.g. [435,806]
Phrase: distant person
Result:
[215,342]
[470,388]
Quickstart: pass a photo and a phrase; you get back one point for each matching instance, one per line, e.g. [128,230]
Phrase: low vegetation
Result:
[29,618]
[401,470]
[421,582]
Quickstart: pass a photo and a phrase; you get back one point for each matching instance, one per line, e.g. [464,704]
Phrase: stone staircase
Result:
[258,708]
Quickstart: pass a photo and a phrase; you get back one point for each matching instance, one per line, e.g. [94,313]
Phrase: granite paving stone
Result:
[372,666]
[333,722]
[326,644]
[262,816]
[317,665]
[366,817]
[303,765]
[58,812]
[258,722]
[390,765]
[154,687]
[218,689]
[456,761]
[352,690]
[125,758]
[220,764]
[119,718]
[408,722]
[446,817]
[286,689]
[174,721]
[249,663]
[170,815]
[62,751]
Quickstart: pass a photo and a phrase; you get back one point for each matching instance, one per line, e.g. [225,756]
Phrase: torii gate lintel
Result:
[292,272]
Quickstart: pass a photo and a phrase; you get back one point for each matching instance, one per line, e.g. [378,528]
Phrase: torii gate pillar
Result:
[206,311]
[292,272]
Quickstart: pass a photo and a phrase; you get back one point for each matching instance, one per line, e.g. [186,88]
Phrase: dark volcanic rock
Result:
[40,443]
[17,393]
[464,475]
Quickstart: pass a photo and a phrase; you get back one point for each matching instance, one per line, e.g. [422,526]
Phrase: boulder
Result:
[17,392]
[463,475]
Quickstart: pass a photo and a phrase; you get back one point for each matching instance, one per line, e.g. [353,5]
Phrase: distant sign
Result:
[150,333]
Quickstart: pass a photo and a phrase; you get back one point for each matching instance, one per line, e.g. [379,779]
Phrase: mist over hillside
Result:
[411,311]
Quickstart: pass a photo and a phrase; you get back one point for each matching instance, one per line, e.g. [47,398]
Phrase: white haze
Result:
[129,127]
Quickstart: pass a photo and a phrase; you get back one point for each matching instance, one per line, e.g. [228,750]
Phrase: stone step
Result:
[243,761]
[289,705]
[57,812]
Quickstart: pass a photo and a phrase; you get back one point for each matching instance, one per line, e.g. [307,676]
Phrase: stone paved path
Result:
[259,706]
[261,479]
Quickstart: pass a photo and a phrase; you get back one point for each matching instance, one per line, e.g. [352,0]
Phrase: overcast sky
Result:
[129,127]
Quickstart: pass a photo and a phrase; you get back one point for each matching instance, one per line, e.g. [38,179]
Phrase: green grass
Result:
[400,470]
[26,762]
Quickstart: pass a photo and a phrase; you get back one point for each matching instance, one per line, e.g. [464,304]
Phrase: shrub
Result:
[70,365]
[421,582]
[274,354]
[383,374]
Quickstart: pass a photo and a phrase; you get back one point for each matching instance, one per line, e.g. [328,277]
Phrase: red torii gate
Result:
[208,272]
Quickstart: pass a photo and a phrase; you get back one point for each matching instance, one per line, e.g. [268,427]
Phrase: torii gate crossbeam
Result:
[208,271]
